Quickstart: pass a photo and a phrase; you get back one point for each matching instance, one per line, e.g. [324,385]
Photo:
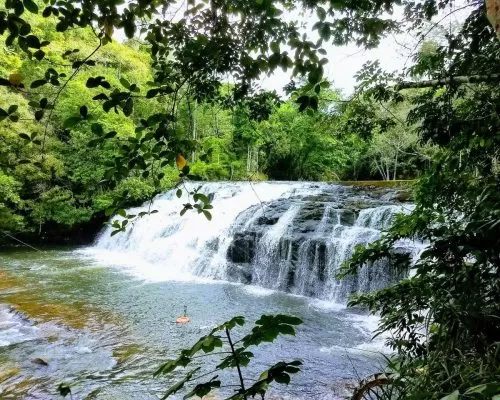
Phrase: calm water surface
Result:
[104,331]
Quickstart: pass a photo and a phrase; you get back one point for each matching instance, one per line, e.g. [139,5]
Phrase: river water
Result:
[103,317]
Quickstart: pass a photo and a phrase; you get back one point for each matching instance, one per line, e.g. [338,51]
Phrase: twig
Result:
[242,383]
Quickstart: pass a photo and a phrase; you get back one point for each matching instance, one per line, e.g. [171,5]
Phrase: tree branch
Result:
[457,80]
[240,375]
[54,102]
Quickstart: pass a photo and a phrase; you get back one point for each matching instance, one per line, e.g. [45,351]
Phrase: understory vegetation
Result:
[106,103]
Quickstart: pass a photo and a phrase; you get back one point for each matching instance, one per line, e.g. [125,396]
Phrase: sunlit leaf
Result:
[180,161]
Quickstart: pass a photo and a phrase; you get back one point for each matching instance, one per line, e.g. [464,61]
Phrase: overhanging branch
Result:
[456,80]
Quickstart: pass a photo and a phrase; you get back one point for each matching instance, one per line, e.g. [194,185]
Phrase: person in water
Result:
[184,319]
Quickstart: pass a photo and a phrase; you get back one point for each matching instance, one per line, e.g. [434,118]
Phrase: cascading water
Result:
[292,237]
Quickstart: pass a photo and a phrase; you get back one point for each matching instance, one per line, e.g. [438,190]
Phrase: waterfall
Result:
[292,237]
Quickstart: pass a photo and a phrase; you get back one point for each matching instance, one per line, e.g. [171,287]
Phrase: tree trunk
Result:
[192,123]
[249,158]
[395,167]
[257,160]
[380,170]
[493,13]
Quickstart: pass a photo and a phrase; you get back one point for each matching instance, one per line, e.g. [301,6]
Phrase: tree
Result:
[192,56]
[444,319]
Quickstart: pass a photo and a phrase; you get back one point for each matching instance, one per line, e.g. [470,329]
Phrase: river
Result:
[103,317]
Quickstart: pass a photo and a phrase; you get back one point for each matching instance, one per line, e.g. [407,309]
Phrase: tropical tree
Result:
[444,319]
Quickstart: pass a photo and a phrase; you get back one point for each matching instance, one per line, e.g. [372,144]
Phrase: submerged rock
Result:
[40,361]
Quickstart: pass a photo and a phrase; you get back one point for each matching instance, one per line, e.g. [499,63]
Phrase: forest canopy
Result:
[93,128]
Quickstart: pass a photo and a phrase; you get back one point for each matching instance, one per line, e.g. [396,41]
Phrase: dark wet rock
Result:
[40,361]
[240,273]
[242,248]
[265,220]
[348,217]
[403,196]
[298,256]
[361,204]
[311,211]
[320,198]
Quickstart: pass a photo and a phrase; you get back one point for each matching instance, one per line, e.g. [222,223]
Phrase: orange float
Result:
[183,319]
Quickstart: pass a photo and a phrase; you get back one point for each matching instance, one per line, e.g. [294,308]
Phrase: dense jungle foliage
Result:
[90,125]
[54,183]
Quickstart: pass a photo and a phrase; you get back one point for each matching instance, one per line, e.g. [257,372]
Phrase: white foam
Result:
[165,246]
[326,305]
[258,291]
[368,324]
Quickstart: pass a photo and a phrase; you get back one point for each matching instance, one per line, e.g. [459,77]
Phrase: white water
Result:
[166,246]
[13,329]
[287,250]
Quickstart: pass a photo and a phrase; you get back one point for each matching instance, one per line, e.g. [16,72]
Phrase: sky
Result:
[345,61]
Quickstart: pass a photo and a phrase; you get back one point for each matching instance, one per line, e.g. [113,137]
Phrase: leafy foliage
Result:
[444,319]
[267,328]
[85,113]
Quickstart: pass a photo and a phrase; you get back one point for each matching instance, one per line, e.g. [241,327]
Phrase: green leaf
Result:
[125,83]
[315,76]
[487,389]
[288,319]
[202,389]
[31,6]
[39,114]
[321,13]
[128,107]
[451,396]
[64,389]
[282,378]
[207,215]
[178,193]
[71,122]
[12,109]
[25,29]
[33,41]
[38,83]
[179,385]
[24,136]
[84,111]
[39,55]
[110,134]
[97,129]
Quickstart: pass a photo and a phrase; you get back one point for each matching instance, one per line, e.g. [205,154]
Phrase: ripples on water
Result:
[105,332]
[103,317]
